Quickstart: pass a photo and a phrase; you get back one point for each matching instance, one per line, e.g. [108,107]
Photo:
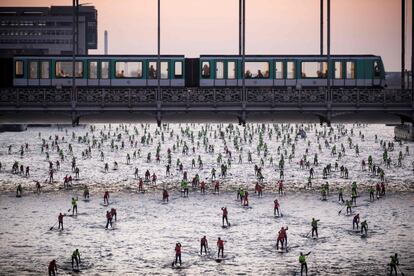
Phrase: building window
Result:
[93,69]
[64,69]
[33,70]
[44,70]
[314,70]
[152,70]
[105,70]
[350,70]
[178,69]
[128,69]
[231,70]
[279,69]
[219,70]
[19,72]
[164,70]
[205,69]
[338,70]
[256,70]
[291,70]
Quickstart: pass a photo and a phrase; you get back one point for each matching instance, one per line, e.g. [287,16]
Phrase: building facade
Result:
[46,31]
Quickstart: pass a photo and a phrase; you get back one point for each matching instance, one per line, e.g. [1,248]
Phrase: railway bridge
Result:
[86,104]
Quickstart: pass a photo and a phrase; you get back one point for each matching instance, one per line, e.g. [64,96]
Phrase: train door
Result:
[219,79]
[231,72]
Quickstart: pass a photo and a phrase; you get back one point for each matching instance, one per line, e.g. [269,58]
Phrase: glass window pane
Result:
[231,70]
[219,70]
[93,69]
[178,70]
[128,69]
[64,69]
[314,69]
[33,70]
[377,69]
[104,70]
[350,70]
[205,69]
[19,69]
[256,70]
[164,70]
[44,70]
[279,70]
[152,70]
[291,70]
[338,70]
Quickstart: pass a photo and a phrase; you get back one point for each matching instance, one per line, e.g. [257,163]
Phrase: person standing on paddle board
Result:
[341,192]
[348,207]
[165,195]
[364,227]
[276,207]
[74,206]
[38,187]
[217,186]
[76,258]
[86,192]
[314,226]
[19,190]
[52,268]
[220,245]
[303,264]
[280,182]
[203,244]
[246,198]
[113,213]
[108,219]
[355,221]
[60,220]
[224,209]
[106,197]
[280,238]
[394,263]
[177,253]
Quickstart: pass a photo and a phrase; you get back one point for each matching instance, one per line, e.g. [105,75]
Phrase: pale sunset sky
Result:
[194,27]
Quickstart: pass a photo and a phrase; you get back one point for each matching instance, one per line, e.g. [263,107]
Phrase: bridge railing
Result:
[195,97]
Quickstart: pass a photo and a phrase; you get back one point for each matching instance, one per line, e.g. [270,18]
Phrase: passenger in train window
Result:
[121,75]
[259,74]
[319,74]
[152,72]
[376,69]
[266,74]
[206,71]
[304,74]
[248,74]
[79,74]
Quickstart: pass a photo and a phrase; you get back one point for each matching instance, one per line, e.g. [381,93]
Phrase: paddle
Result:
[51,228]
[340,211]
[307,235]
[398,268]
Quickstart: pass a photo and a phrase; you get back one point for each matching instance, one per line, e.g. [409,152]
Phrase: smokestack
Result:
[106,42]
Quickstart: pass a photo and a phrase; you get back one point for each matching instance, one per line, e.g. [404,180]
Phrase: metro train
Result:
[362,71]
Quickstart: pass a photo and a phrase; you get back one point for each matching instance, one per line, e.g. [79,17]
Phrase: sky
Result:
[194,27]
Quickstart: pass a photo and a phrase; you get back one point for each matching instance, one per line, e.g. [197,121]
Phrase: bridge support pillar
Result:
[75,119]
[325,119]
[158,118]
[242,118]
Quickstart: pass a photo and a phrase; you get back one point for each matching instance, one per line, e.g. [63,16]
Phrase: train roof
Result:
[291,56]
[98,56]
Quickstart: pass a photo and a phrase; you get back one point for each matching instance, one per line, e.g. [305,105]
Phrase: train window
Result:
[178,69]
[128,69]
[33,68]
[105,70]
[314,69]
[18,73]
[164,70]
[44,70]
[377,69]
[256,70]
[93,69]
[219,70]
[350,70]
[231,70]
[338,70]
[64,69]
[279,69]
[205,69]
[152,70]
[291,70]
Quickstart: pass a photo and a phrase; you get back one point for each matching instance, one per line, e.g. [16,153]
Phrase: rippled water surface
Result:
[145,234]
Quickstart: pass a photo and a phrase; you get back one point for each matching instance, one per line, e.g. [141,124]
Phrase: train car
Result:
[291,71]
[99,71]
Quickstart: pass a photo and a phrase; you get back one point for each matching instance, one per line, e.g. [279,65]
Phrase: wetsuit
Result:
[220,245]
[364,227]
[52,268]
[74,206]
[60,220]
[178,253]
[341,195]
[355,222]
[394,263]
[276,208]
[108,219]
[225,216]
[165,196]
[348,207]
[315,227]
[76,257]
[203,245]
[106,197]
[113,213]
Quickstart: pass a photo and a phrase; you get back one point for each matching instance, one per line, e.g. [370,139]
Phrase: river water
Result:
[144,237]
